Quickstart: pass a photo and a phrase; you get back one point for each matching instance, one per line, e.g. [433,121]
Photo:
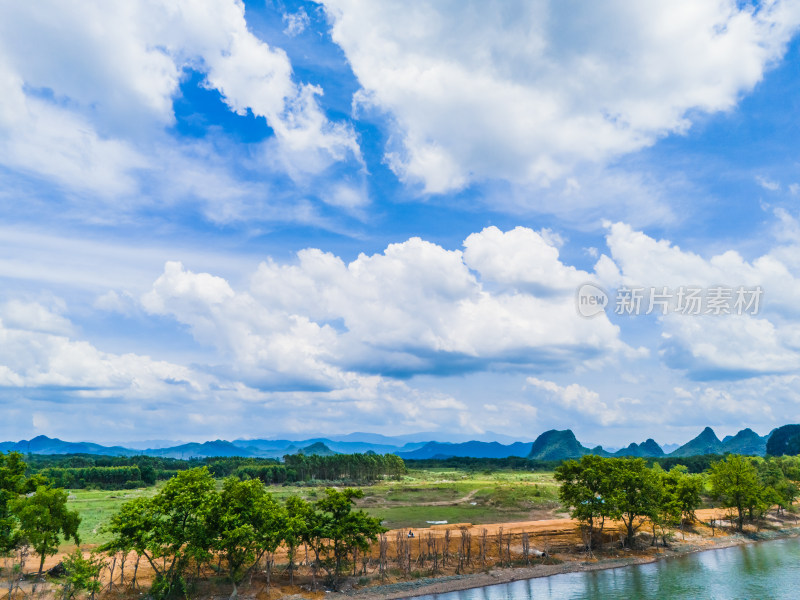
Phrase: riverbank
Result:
[418,565]
[697,540]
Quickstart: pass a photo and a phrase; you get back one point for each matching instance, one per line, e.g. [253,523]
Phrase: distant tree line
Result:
[36,462]
[469,463]
[99,477]
[355,469]
[693,464]
[359,468]
[118,472]
[81,471]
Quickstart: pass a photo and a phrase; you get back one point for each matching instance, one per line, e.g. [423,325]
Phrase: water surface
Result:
[766,570]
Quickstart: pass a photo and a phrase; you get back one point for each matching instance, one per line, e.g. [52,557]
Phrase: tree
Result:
[772,473]
[734,482]
[635,493]
[299,515]
[666,512]
[249,523]
[129,528]
[44,519]
[12,482]
[679,497]
[172,530]
[181,535]
[340,529]
[688,493]
[81,574]
[148,472]
[585,489]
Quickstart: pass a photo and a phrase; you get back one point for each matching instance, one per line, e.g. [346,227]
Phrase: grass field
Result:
[422,495]
[95,508]
[461,497]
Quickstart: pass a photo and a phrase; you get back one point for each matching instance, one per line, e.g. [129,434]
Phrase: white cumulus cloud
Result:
[89,89]
[526,91]
[415,308]
[709,346]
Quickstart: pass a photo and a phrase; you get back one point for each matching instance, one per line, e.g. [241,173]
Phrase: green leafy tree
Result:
[44,518]
[735,483]
[772,475]
[666,513]
[12,485]
[300,519]
[172,530]
[679,498]
[635,493]
[340,529]
[249,524]
[81,575]
[688,492]
[128,529]
[586,490]
[148,472]
[181,535]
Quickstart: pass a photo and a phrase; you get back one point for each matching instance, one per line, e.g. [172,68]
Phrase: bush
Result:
[82,575]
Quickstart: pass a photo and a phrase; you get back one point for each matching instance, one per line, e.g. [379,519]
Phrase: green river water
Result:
[765,570]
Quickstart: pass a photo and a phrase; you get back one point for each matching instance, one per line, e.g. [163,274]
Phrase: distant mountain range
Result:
[550,445]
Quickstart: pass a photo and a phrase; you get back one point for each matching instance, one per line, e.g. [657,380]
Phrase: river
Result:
[765,570]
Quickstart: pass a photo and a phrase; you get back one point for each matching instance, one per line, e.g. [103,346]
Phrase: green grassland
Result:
[461,497]
[95,508]
[422,495]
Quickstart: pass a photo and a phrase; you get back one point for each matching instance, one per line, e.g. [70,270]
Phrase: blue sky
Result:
[283,219]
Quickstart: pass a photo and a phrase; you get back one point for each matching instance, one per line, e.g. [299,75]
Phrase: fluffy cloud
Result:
[415,308]
[33,316]
[521,258]
[88,90]
[36,352]
[581,402]
[527,90]
[59,385]
[714,346]
[763,403]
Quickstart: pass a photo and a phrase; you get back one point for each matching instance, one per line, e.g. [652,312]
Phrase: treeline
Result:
[82,471]
[100,477]
[468,463]
[359,468]
[117,472]
[346,469]
[37,462]
[189,528]
[694,464]
[597,489]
